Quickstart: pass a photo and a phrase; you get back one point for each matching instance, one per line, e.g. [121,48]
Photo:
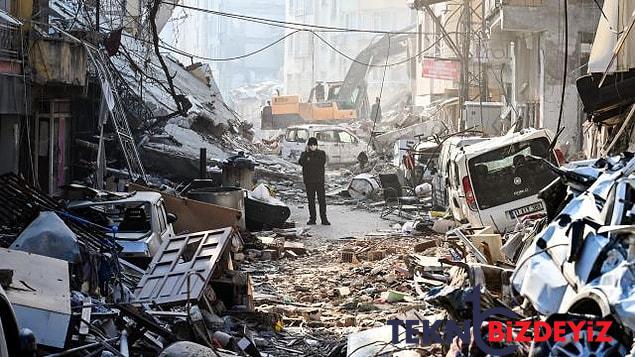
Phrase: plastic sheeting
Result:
[261,193]
[48,235]
[363,186]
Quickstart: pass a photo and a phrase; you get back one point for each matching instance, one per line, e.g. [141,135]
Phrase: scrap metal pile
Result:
[568,267]
[72,293]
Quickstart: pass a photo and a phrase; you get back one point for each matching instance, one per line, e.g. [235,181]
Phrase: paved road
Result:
[345,221]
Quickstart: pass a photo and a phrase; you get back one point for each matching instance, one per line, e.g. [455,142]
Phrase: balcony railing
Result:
[493,5]
[9,41]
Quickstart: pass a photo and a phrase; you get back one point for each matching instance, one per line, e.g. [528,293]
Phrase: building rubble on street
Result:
[480,178]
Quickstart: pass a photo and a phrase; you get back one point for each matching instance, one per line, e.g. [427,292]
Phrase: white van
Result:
[495,182]
[340,144]
[450,148]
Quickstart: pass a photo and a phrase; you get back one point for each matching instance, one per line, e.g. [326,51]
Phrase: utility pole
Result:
[483,51]
[464,88]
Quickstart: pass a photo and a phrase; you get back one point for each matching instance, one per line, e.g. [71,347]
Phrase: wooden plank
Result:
[86,310]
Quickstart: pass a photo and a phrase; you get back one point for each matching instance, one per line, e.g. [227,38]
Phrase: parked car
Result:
[139,221]
[340,144]
[9,331]
[450,148]
[496,182]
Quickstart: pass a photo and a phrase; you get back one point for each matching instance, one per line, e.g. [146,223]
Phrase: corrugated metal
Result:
[12,94]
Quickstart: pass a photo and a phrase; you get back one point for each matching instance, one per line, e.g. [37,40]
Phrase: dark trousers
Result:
[311,190]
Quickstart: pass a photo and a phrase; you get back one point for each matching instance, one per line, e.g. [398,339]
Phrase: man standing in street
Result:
[375,111]
[312,161]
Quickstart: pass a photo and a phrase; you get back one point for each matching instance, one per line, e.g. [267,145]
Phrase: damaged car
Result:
[139,222]
[340,145]
[580,267]
[496,182]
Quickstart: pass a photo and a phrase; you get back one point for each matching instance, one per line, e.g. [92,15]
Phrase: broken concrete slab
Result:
[295,247]
[343,291]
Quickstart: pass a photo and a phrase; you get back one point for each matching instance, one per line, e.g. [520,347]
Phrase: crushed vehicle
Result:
[340,144]
[139,222]
[496,182]
[580,267]
[450,147]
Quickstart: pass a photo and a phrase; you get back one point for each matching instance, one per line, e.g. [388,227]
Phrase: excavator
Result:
[345,100]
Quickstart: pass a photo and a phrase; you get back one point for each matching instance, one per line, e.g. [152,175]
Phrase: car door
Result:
[328,142]
[348,147]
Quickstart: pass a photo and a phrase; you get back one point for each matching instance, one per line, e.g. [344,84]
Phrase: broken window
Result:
[509,173]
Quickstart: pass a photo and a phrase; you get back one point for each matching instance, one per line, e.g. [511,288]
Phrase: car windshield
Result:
[508,174]
[129,217]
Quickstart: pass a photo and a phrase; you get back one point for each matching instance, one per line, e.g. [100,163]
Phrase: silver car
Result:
[139,222]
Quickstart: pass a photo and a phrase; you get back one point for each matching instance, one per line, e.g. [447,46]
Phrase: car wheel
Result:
[582,347]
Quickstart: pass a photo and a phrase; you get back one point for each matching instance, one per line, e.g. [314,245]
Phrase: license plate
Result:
[525,210]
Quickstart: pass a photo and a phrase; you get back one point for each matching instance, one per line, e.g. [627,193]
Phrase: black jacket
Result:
[313,166]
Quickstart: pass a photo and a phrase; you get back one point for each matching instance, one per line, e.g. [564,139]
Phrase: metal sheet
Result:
[40,297]
[194,216]
[195,254]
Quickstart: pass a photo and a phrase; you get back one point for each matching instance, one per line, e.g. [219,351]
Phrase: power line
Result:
[381,90]
[566,58]
[226,59]
[288,24]
[184,53]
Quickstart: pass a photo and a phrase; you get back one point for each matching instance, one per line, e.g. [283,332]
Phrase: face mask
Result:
[312,147]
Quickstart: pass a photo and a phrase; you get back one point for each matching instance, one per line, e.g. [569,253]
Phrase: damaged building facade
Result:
[515,63]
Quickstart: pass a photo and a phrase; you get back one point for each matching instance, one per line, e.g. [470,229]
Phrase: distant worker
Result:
[266,115]
[312,161]
[375,111]
[319,92]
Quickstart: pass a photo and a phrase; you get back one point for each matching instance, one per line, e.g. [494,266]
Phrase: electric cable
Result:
[286,23]
[381,90]
[169,47]
[234,58]
[566,57]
